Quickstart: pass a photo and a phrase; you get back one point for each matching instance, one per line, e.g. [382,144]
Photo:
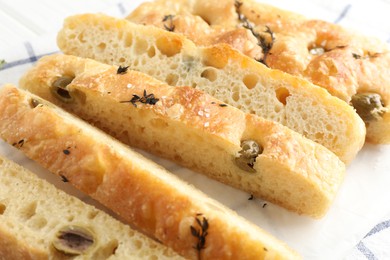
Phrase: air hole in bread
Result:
[101,46]
[209,74]
[151,52]
[282,94]
[138,244]
[3,207]
[250,80]
[236,94]
[28,211]
[171,79]
[141,46]
[169,46]
[81,37]
[153,257]
[92,214]
[128,40]
[122,60]
[109,249]
[319,136]
[38,222]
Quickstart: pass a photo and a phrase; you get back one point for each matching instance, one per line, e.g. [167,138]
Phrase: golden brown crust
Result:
[340,61]
[196,120]
[307,109]
[141,192]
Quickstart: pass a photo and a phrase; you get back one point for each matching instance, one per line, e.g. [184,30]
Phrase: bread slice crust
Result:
[221,72]
[342,61]
[34,212]
[140,191]
[195,130]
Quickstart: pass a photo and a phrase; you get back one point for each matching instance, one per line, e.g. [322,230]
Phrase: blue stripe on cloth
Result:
[366,252]
[121,8]
[379,227]
[343,13]
[30,51]
[16,63]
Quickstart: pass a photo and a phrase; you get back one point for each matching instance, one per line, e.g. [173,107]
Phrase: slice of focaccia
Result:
[140,191]
[185,125]
[38,221]
[350,66]
[221,72]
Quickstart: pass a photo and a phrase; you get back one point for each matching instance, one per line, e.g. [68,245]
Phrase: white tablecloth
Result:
[28,29]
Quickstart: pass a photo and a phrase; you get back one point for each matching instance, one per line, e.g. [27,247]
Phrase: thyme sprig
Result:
[200,233]
[169,18]
[262,41]
[145,99]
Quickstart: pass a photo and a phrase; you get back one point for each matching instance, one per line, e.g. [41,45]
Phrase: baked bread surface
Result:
[221,72]
[140,191]
[33,212]
[196,131]
[339,60]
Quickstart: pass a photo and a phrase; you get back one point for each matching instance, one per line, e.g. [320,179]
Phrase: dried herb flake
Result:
[122,70]
[63,178]
[145,99]
[169,19]
[19,144]
[251,197]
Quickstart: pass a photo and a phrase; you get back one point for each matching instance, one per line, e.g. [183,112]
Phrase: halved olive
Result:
[74,240]
[248,154]
[369,106]
[59,88]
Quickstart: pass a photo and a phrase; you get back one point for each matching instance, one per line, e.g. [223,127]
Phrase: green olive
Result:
[369,106]
[73,240]
[59,89]
[248,154]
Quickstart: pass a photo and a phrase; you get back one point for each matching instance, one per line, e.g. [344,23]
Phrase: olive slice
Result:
[59,89]
[369,106]
[248,154]
[73,240]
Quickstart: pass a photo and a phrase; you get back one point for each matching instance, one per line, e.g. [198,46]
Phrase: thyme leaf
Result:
[122,70]
[169,18]
[262,41]
[145,99]
[200,233]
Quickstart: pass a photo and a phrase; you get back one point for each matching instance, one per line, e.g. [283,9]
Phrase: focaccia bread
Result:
[141,192]
[350,66]
[38,221]
[261,157]
[221,72]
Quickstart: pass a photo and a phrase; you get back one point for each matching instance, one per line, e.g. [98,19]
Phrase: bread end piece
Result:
[33,212]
